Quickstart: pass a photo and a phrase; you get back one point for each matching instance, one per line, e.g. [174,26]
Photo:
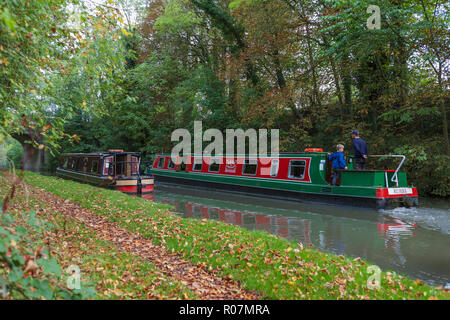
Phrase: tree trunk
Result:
[444,115]
[347,84]
[33,157]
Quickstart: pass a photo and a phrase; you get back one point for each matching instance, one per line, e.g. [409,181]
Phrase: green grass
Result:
[273,266]
[116,275]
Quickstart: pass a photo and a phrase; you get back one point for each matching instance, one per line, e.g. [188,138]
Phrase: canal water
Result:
[411,241]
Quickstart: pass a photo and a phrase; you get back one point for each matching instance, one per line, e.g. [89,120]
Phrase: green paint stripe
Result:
[365,192]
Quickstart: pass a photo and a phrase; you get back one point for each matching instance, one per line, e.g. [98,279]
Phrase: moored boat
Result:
[114,169]
[293,176]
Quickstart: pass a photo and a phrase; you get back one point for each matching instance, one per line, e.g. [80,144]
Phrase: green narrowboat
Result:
[294,176]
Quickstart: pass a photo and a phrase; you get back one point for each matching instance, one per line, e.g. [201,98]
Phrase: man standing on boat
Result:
[361,151]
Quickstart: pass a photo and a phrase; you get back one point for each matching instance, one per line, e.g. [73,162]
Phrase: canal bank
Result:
[270,265]
[411,241]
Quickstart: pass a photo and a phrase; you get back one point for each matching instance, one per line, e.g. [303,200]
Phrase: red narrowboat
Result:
[293,176]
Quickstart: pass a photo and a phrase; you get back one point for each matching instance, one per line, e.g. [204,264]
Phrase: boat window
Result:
[161,162]
[74,163]
[85,164]
[134,165]
[94,166]
[274,167]
[171,164]
[65,162]
[250,167]
[198,164]
[297,169]
[107,166]
[182,163]
[214,165]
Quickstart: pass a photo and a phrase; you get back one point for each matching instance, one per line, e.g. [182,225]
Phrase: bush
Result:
[427,170]
[27,272]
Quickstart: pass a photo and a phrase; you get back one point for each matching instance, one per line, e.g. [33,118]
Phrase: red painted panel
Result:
[147,188]
[134,166]
[189,208]
[238,218]
[262,219]
[149,196]
[222,214]
[281,221]
[234,167]
[205,213]
[132,189]
[283,231]
[383,193]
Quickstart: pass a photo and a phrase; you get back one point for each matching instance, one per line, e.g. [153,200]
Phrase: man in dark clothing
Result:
[361,151]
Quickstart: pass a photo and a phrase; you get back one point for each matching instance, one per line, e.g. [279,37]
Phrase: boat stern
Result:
[388,198]
[131,185]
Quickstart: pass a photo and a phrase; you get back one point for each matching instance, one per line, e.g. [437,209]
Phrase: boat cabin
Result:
[291,175]
[115,169]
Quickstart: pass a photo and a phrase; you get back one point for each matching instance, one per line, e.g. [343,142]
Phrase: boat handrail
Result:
[394,176]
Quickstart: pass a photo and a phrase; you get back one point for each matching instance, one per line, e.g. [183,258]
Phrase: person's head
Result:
[355,134]
[340,148]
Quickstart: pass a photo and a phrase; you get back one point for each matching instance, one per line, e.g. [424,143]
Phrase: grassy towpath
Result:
[122,263]
[246,261]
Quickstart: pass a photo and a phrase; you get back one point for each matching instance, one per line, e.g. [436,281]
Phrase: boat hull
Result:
[127,185]
[359,201]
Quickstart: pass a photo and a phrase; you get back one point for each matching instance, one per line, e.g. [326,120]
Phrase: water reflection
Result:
[399,240]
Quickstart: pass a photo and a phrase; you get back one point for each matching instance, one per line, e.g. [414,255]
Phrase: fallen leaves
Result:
[31,267]
[278,269]
[203,283]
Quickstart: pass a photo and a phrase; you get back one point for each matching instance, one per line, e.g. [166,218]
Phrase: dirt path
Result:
[204,284]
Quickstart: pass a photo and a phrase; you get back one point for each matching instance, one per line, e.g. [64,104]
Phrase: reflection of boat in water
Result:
[266,205]
[393,230]
[391,243]
[295,176]
[287,227]
[283,218]
[392,227]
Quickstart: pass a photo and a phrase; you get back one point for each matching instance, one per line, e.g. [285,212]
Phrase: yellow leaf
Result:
[418,282]
[125,32]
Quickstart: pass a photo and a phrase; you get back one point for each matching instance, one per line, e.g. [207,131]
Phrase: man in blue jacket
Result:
[339,163]
[361,151]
